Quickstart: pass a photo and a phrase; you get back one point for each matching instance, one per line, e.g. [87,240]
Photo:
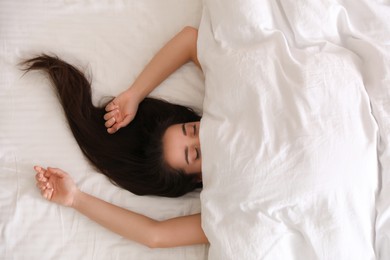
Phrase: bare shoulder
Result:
[191,34]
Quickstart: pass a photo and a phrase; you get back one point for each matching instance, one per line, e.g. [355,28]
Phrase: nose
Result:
[195,145]
[194,140]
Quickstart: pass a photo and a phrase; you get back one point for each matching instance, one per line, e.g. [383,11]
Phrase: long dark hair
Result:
[132,158]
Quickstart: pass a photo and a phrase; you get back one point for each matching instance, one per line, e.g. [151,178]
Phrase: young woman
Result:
[171,160]
[136,157]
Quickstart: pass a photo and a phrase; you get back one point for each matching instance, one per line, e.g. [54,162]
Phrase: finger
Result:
[111,114]
[111,106]
[40,177]
[42,186]
[47,194]
[115,127]
[125,121]
[41,173]
[46,174]
[48,185]
[112,130]
[110,122]
[39,169]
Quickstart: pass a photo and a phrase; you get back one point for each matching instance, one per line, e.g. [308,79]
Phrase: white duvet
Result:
[295,130]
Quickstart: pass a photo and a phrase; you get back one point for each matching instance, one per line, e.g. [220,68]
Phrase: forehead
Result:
[174,145]
[173,135]
[173,131]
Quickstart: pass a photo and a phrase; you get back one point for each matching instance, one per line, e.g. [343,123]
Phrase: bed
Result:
[295,97]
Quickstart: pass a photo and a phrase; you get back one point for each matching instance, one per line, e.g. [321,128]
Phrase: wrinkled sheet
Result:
[112,41]
[296,127]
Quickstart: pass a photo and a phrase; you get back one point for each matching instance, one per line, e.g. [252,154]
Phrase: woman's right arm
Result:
[57,186]
[178,51]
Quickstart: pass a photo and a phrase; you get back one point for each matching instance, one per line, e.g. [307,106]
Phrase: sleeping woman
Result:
[144,145]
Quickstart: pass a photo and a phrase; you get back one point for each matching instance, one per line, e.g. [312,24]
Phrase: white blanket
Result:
[295,131]
[113,41]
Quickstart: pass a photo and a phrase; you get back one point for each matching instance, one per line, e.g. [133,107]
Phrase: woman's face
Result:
[182,147]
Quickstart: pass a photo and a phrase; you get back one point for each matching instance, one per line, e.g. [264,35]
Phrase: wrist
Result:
[135,94]
[77,198]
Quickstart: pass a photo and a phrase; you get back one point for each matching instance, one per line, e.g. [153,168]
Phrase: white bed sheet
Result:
[113,41]
[295,130]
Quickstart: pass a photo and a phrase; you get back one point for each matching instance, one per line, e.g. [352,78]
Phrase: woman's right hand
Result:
[56,185]
[121,111]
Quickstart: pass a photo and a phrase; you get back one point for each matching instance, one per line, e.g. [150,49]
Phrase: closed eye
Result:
[186,155]
[197,154]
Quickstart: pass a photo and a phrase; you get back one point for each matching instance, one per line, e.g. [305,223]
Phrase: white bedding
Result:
[295,130]
[296,127]
[113,41]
